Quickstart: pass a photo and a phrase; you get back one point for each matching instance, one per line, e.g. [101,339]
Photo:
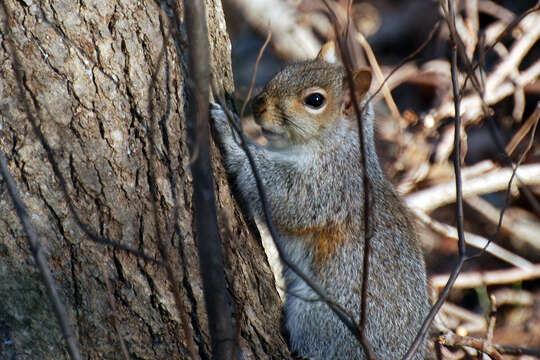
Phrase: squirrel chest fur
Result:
[312,172]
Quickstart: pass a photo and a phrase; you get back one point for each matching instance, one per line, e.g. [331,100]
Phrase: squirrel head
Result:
[306,98]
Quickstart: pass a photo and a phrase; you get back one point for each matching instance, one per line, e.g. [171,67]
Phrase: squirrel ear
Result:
[328,53]
[362,81]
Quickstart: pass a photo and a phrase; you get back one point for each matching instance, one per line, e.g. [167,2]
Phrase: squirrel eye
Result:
[315,100]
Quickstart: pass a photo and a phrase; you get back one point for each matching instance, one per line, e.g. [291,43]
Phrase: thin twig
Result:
[461,49]
[254,74]
[457,132]
[510,147]
[367,186]
[518,227]
[434,310]
[438,352]
[209,245]
[380,77]
[58,306]
[464,320]
[452,339]
[411,56]
[459,196]
[508,28]
[507,194]
[474,240]
[531,121]
[455,39]
[492,318]
[239,321]
[476,105]
[517,350]
[348,24]
[503,68]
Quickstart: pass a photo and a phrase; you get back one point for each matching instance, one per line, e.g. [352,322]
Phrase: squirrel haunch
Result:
[312,172]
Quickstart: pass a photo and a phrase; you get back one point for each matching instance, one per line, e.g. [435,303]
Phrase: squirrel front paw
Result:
[219,117]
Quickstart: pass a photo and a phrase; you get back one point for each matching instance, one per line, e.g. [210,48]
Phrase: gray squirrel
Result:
[312,172]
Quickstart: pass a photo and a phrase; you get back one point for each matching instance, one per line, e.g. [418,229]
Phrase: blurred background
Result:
[499,65]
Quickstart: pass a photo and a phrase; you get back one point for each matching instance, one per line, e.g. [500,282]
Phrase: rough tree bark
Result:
[117,133]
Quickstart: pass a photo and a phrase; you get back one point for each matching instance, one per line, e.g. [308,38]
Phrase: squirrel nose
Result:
[258,106]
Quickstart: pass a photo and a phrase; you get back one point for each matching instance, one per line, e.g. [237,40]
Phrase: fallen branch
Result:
[508,296]
[477,241]
[493,181]
[529,124]
[379,75]
[517,53]
[452,339]
[462,247]
[290,39]
[462,320]
[518,227]
[495,351]
[495,277]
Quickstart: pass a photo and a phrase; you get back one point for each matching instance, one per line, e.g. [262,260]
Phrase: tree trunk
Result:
[105,84]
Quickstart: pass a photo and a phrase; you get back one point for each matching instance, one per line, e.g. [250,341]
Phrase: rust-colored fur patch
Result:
[325,240]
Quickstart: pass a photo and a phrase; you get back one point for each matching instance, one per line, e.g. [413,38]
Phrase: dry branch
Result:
[462,256]
[495,351]
[495,277]
[506,80]
[508,296]
[290,39]
[254,75]
[493,181]
[366,184]
[516,54]
[462,320]
[452,339]
[379,75]
[477,241]
[530,123]
[518,227]
[495,10]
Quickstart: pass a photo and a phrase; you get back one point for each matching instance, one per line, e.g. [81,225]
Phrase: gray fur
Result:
[319,183]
